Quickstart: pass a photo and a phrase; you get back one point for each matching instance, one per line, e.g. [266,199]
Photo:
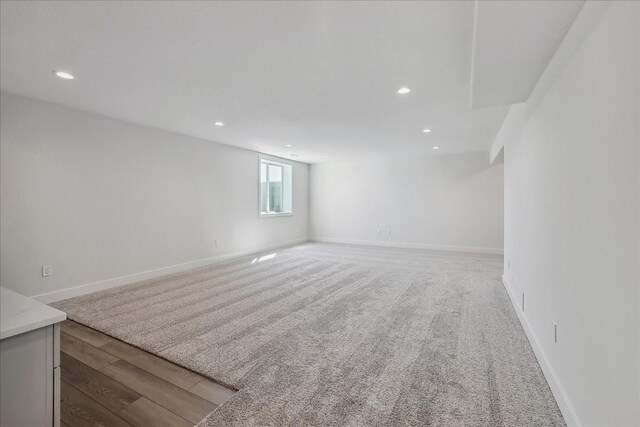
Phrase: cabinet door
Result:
[26,379]
[56,396]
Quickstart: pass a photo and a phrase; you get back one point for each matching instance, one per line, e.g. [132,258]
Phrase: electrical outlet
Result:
[46,271]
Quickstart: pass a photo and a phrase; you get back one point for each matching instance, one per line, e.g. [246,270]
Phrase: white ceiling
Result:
[319,75]
[513,43]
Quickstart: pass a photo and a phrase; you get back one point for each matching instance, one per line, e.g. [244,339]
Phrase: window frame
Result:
[282,164]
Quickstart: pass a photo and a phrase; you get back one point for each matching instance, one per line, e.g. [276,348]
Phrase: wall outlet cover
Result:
[46,271]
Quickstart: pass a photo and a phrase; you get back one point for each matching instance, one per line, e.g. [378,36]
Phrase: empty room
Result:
[320,213]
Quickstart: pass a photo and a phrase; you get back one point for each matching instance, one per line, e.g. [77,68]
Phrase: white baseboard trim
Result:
[569,414]
[408,245]
[75,291]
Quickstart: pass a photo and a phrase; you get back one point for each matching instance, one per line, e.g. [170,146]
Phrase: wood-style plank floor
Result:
[107,382]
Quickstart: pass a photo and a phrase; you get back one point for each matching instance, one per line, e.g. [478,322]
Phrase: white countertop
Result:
[20,314]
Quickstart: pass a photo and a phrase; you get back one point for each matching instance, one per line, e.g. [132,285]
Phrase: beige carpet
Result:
[323,334]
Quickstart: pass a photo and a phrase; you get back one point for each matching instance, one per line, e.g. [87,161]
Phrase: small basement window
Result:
[276,181]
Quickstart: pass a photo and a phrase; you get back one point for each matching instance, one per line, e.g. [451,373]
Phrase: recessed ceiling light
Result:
[288,145]
[426,130]
[64,75]
[218,123]
[435,147]
[404,90]
[294,155]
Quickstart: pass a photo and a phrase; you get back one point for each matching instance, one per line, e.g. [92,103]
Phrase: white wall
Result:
[99,199]
[572,189]
[428,200]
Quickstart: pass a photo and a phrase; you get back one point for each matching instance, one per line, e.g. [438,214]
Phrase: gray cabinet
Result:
[29,364]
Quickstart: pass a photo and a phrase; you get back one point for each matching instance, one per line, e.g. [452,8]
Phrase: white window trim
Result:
[275,214]
[278,163]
